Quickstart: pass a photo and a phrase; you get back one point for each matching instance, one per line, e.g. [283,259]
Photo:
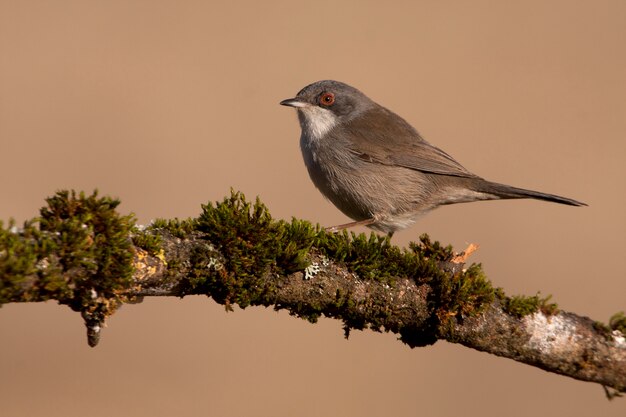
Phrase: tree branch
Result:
[82,253]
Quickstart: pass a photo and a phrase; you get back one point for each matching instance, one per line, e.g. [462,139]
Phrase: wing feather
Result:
[386,138]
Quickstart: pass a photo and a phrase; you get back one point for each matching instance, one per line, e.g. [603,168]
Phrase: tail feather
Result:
[508,192]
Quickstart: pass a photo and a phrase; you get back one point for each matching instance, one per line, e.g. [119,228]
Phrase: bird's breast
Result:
[350,183]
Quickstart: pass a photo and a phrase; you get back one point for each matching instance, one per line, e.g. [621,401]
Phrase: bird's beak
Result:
[294,102]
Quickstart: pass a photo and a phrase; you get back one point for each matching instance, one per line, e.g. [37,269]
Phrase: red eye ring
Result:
[327,99]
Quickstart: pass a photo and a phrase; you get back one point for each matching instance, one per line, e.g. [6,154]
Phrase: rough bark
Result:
[562,343]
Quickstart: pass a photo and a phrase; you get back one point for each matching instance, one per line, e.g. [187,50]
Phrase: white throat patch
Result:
[317,121]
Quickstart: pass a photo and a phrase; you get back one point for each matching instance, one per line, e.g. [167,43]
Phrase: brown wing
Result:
[385,138]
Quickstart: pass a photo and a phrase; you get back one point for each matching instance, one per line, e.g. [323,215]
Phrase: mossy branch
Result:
[84,254]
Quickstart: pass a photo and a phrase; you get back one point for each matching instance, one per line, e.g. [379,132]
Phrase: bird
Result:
[376,168]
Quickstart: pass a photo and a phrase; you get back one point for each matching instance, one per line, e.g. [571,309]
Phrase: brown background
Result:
[168,104]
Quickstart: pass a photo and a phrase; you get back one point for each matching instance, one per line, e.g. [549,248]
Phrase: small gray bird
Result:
[376,168]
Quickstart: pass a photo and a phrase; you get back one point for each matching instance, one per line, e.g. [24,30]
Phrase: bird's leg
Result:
[339,227]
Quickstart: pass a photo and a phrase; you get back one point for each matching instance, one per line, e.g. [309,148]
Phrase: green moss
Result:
[178,228]
[433,251]
[464,294]
[78,252]
[521,305]
[456,293]
[364,255]
[251,240]
[253,244]
[374,257]
[148,240]
[92,243]
[26,271]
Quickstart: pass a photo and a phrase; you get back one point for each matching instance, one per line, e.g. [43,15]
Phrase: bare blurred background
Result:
[166,105]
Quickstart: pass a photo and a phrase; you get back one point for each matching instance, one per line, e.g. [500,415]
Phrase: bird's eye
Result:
[327,99]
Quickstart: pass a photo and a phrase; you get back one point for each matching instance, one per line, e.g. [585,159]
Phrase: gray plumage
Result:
[376,168]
